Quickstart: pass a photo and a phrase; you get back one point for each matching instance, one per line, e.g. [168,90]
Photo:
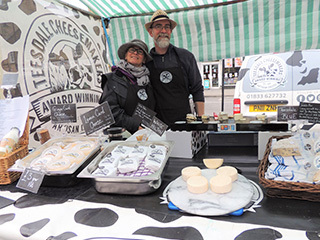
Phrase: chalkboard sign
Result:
[158,126]
[30,180]
[310,112]
[97,118]
[144,114]
[286,113]
[63,113]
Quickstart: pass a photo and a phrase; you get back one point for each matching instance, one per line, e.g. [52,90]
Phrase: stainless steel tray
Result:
[25,162]
[125,184]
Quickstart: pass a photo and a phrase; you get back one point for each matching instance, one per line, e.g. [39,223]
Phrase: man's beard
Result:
[162,41]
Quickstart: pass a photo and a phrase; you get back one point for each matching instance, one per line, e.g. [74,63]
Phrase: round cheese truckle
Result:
[188,172]
[221,184]
[213,163]
[229,171]
[197,184]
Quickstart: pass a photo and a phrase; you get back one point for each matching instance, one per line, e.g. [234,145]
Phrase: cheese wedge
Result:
[188,172]
[228,171]
[197,184]
[213,163]
[221,184]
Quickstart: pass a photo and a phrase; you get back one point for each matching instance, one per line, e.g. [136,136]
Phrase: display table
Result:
[80,212]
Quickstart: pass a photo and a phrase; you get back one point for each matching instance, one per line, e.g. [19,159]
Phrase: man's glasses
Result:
[159,27]
[133,50]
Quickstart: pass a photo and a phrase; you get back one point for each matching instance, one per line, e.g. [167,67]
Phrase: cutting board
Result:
[210,203]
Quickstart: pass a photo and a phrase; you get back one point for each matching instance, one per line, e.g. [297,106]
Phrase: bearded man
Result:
[175,76]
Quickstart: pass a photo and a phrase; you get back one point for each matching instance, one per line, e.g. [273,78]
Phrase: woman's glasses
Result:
[133,50]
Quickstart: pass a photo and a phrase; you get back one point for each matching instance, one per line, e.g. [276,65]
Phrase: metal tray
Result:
[125,184]
[60,178]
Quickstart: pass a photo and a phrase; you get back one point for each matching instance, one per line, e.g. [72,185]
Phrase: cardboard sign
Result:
[97,118]
[30,180]
[286,113]
[158,126]
[310,112]
[63,113]
[144,114]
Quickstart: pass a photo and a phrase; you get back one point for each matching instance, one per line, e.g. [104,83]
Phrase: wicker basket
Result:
[7,177]
[283,189]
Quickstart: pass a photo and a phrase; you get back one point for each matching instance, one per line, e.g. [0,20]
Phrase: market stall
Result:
[80,212]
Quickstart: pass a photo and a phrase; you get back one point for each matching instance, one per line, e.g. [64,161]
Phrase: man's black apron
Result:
[138,94]
[171,93]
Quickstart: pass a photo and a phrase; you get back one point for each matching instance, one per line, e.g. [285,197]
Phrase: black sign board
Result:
[310,112]
[63,113]
[97,118]
[286,113]
[30,180]
[158,126]
[144,114]
[148,118]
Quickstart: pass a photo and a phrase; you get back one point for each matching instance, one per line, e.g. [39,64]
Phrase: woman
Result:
[128,84]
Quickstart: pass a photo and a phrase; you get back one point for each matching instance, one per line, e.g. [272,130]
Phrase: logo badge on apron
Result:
[165,77]
[142,94]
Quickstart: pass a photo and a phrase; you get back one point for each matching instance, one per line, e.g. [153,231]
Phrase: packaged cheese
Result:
[286,147]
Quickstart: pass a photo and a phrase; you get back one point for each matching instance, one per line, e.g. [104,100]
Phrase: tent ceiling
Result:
[211,33]
[117,8]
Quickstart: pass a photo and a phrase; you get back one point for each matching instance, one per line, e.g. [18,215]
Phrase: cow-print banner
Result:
[58,53]
[76,219]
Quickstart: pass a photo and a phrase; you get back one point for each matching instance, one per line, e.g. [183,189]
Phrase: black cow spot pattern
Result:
[31,201]
[183,233]
[96,217]
[4,5]
[28,6]
[161,217]
[313,235]
[29,229]
[6,218]
[63,236]
[96,30]
[10,32]
[259,233]
[10,64]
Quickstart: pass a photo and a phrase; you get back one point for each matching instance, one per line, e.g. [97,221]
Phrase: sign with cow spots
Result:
[58,53]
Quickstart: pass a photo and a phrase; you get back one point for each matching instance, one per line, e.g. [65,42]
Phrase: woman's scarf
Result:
[140,73]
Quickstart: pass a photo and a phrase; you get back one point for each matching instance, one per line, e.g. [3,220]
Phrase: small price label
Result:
[228,127]
[30,180]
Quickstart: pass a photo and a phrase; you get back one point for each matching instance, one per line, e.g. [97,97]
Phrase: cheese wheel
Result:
[221,184]
[188,172]
[213,163]
[197,184]
[229,171]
